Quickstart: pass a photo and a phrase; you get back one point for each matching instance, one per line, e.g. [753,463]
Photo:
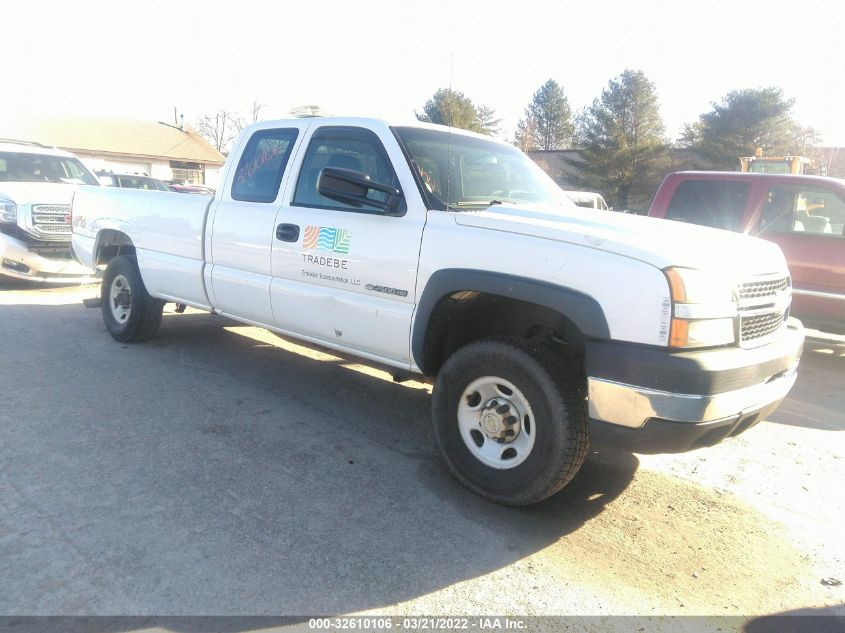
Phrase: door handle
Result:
[287,232]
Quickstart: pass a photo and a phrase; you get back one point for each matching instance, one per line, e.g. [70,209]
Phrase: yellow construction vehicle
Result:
[795,165]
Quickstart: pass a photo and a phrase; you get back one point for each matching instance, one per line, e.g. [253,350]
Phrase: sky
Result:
[385,59]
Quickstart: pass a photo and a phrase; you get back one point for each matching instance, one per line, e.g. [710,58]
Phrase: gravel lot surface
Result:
[222,469]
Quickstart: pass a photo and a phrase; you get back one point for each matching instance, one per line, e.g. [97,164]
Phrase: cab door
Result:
[242,225]
[343,275]
[807,221]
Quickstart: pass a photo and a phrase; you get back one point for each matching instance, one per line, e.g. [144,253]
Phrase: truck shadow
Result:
[223,474]
[830,619]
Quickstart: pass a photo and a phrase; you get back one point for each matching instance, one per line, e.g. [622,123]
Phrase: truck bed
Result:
[167,229]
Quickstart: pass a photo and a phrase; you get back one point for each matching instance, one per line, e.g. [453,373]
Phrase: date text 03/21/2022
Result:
[417,623]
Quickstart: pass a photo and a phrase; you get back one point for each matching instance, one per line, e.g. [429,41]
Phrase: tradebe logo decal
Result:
[328,239]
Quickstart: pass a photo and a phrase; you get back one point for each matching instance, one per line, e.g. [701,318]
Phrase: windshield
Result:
[464,171]
[760,167]
[26,167]
[142,182]
[587,200]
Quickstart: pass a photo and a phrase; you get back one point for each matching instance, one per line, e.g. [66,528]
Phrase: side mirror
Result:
[351,187]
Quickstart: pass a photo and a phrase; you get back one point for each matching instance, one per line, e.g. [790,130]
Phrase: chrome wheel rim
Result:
[120,299]
[496,422]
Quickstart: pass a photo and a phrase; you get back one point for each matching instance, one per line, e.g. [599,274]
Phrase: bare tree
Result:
[220,128]
[256,111]
[827,161]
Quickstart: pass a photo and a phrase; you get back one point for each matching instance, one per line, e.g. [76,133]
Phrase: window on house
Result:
[187,173]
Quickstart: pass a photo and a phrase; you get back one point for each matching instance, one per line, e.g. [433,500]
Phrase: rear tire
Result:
[510,419]
[130,314]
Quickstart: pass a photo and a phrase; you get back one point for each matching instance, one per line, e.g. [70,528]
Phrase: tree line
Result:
[621,145]
[622,148]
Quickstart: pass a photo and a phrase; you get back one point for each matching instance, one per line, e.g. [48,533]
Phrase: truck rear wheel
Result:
[510,419]
[131,315]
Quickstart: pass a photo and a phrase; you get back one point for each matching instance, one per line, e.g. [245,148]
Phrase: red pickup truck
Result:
[804,215]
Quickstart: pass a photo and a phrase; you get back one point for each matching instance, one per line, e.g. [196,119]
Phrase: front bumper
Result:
[16,260]
[655,401]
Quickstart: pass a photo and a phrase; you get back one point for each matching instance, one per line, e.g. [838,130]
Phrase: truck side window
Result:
[262,165]
[346,148]
[716,203]
[802,209]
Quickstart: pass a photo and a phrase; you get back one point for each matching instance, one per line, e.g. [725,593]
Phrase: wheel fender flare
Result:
[109,227]
[583,310]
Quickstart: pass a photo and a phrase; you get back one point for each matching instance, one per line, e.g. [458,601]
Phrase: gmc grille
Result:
[51,220]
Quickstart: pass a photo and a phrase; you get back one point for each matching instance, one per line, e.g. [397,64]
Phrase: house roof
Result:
[116,136]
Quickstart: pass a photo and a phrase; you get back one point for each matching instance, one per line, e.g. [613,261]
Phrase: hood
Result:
[24,193]
[655,241]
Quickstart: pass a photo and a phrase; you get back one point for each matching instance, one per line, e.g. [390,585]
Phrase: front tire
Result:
[130,314]
[510,419]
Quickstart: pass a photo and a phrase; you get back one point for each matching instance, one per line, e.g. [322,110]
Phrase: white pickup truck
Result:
[447,254]
[36,186]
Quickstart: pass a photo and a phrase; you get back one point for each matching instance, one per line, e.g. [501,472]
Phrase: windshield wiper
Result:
[478,203]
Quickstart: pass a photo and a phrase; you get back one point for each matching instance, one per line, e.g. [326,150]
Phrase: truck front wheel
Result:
[131,315]
[510,419]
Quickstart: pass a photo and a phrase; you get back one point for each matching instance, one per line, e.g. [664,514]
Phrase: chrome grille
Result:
[755,327]
[43,218]
[763,309]
[58,229]
[51,219]
[763,289]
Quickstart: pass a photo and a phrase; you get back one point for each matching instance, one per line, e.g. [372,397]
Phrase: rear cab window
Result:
[719,204]
[133,182]
[262,165]
[803,209]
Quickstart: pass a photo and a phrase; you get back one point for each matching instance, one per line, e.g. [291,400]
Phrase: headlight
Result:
[704,308]
[695,286]
[8,212]
[701,333]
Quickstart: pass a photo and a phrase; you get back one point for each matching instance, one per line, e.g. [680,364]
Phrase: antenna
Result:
[449,132]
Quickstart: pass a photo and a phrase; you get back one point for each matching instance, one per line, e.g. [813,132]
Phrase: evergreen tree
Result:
[525,135]
[452,108]
[547,123]
[488,121]
[621,138]
[743,121]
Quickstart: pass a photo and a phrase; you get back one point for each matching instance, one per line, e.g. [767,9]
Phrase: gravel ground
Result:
[224,470]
